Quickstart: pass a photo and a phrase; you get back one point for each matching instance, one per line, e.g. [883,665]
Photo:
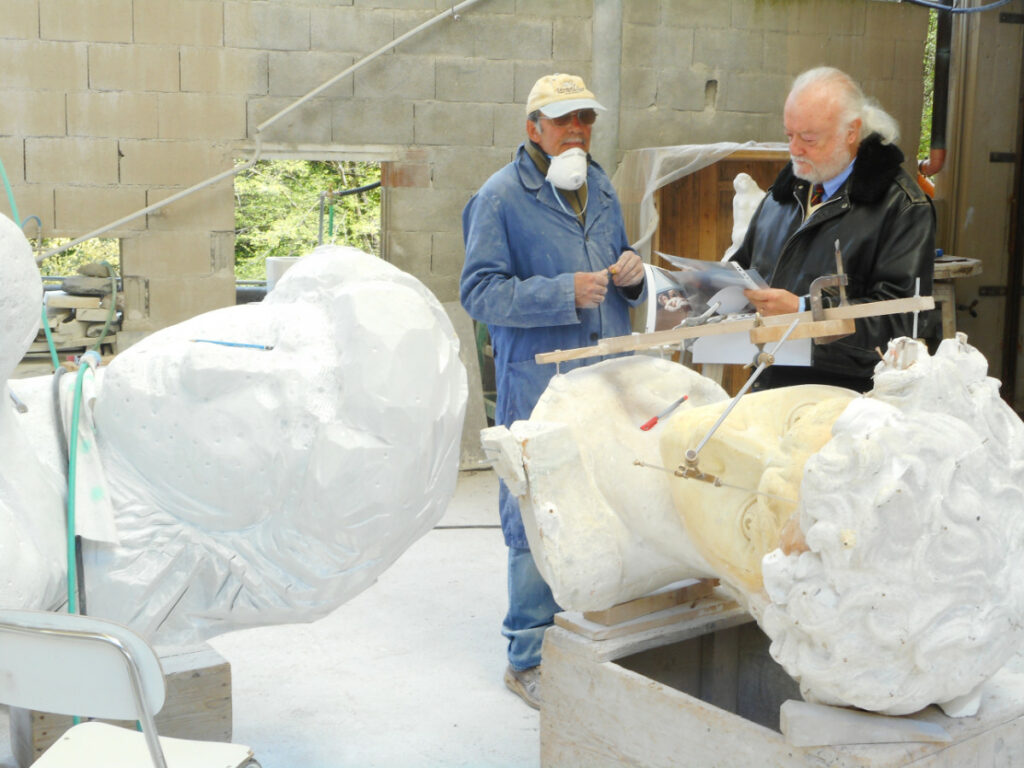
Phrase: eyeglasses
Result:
[585,116]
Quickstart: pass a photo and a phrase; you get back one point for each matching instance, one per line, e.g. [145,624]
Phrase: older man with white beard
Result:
[845,183]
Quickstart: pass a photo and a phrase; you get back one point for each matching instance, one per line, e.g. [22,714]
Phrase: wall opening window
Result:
[288,207]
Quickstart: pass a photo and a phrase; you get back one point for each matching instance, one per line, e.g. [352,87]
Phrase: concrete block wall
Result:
[115,104]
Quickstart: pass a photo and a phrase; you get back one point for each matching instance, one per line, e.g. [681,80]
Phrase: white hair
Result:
[873,119]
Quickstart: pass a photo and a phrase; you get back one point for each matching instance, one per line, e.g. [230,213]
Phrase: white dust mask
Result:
[569,169]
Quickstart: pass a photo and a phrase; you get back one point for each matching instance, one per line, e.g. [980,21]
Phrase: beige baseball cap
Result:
[557,95]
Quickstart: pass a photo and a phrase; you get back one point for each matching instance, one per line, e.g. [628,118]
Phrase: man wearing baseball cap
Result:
[548,266]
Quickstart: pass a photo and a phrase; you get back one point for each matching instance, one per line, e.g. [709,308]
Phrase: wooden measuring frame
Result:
[838,321]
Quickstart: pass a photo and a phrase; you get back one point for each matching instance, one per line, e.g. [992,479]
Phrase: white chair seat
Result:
[99,745]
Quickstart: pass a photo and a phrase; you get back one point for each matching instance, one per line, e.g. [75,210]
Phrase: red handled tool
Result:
[651,422]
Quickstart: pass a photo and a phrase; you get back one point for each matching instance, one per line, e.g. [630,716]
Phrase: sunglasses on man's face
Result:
[585,116]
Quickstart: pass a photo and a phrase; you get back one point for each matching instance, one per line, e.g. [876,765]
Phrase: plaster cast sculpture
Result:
[261,483]
[744,205]
[877,539]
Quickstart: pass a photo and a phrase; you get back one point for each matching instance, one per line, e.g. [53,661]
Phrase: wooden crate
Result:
[695,218]
[197,706]
[704,692]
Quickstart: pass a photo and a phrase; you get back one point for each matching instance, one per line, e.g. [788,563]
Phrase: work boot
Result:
[525,684]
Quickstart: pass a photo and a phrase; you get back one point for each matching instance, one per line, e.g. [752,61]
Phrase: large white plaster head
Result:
[268,461]
[911,591]
[21,297]
[269,485]
[31,499]
[877,539]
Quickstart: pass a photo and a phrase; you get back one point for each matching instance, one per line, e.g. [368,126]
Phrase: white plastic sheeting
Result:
[643,172]
[266,462]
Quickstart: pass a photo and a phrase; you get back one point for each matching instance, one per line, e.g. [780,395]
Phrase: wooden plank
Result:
[607,716]
[618,344]
[688,613]
[953,267]
[67,301]
[668,597]
[813,329]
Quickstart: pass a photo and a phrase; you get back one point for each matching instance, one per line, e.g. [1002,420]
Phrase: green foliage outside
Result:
[924,145]
[277,210]
[67,263]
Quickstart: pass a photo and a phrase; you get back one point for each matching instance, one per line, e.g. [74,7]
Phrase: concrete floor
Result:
[407,674]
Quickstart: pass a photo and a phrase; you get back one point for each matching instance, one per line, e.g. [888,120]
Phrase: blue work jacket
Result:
[523,246]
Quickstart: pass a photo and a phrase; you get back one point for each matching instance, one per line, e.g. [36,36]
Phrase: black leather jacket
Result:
[886,230]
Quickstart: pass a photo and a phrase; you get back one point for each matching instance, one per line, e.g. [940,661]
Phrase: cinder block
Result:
[639,88]
[682,89]
[296,74]
[737,50]
[657,47]
[202,116]
[267,26]
[32,113]
[448,253]
[360,121]
[99,21]
[867,59]
[475,81]
[184,22]
[211,208]
[766,17]
[643,12]
[182,253]
[172,301]
[409,251]
[44,66]
[444,287]
[700,14]
[545,9]
[309,123]
[466,169]
[499,38]
[32,200]
[454,124]
[133,68]
[753,93]
[509,129]
[222,250]
[21,19]
[895,21]
[84,209]
[224,70]
[449,37]
[426,5]
[71,160]
[791,54]
[171,163]
[12,154]
[413,209]
[572,40]
[399,174]
[351,29]
[397,76]
[136,304]
[112,114]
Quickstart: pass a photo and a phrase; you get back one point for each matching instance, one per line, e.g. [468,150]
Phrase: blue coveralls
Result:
[523,246]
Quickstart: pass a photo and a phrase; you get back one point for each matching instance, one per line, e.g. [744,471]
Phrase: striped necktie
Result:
[817,195]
